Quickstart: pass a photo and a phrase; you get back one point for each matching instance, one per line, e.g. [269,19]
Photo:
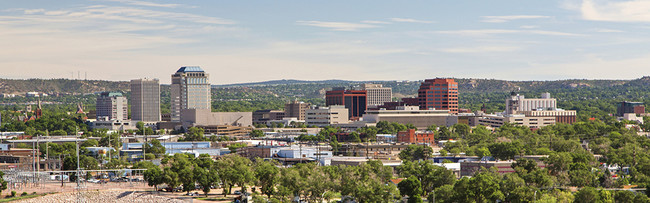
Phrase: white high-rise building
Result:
[112,106]
[145,100]
[190,89]
[377,94]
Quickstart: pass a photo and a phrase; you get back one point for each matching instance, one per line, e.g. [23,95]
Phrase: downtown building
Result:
[377,94]
[112,106]
[439,93]
[354,100]
[533,113]
[295,109]
[145,100]
[190,89]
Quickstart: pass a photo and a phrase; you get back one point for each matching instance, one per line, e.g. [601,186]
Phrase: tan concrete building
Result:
[193,117]
[377,94]
[325,116]
[413,115]
[296,109]
[145,100]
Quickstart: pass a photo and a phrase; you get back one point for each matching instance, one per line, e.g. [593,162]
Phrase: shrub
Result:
[13,193]
[24,194]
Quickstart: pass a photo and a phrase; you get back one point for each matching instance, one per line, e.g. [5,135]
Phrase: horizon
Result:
[117,40]
[325,80]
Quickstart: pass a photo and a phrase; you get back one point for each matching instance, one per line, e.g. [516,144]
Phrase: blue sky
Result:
[243,41]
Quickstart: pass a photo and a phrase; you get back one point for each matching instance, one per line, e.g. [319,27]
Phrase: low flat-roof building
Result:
[412,137]
[412,115]
[496,121]
[325,116]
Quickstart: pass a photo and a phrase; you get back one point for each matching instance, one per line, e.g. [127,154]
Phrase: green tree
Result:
[587,194]
[266,174]
[234,170]
[194,134]
[205,178]
[3,183]
[256,133]
[154,176]
[155,148]
[416,152]
[484,187]
[412,188]
[506,150]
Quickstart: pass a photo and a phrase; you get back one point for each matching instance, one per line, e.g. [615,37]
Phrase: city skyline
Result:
[119,40]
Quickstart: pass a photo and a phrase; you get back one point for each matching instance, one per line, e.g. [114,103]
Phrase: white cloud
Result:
[609,31]
[146,3]
[33,11]
[375,22]
[503,19]
[481,49]
[338,26]
[591,66]
[616,11]
[504,31]
[529,26]
[409,20]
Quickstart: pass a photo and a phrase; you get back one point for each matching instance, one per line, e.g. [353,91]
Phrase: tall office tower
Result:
[145,100]
[112,106]
[377,94]
[296,109]
[190,89]
[353,100]
[439,93]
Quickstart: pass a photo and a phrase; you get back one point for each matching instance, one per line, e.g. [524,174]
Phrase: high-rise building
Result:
[439,93]
[145,100]
[377,94]
[190,89]
[112,106]
[353,100]
[296,109]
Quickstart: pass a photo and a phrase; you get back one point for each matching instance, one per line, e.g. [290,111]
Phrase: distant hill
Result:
[289,82]
[314,89]
[12,86]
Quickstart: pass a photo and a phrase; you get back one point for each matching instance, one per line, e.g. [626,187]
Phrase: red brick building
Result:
[410,136]
[354,100]
[440,94]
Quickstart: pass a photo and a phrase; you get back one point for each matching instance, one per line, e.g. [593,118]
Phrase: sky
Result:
[245,41]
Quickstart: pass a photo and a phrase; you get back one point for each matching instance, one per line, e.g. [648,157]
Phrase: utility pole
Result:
[144,149]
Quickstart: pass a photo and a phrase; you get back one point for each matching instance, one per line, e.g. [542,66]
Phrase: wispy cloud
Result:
[130,14]
[503,19]
[409,20]
[150,4]
[375,22]
[505,31]
[615,11]
[609,31]
[529,26]
[481,49]
[33,11]
[338,26]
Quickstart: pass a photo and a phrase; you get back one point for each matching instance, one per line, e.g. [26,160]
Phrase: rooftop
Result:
[186,69]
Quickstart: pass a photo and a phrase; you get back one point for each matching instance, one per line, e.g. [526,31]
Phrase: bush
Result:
[24,194]
[13,193]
